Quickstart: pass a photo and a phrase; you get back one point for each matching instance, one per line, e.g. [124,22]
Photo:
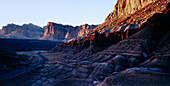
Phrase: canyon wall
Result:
[54,31]
[125,7]
[129,14]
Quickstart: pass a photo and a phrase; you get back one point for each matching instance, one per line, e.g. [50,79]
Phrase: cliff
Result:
[54,31]
[26,31]
[125,7]
[57,31]
[107,60]
[130,14]
[83,29]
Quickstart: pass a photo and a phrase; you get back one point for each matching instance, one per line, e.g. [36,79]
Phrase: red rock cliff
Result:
[54,31]
[130,14]
[124,7]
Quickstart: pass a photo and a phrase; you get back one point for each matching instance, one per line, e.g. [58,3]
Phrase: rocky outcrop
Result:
[26,31]
[125,7]
[141,59]
[100,40]
[156,62]
[54,31]
[85,29]
[130,14]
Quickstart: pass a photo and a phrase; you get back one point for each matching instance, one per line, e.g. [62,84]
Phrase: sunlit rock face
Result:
[85,29]
[58,31]
[129,14]
[26,31]
[54,31]
[124,7]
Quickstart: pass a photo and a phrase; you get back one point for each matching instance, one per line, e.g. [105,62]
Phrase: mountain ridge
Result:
[25,31]
[115,22]
[52,31]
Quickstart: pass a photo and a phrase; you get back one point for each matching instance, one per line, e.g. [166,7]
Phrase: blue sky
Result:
[39,12]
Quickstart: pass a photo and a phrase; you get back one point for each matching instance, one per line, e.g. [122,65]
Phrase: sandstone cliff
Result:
[54,31]
[57,31]
[130,14]
[142,58]
[26,31]
[83,29]
[125,7]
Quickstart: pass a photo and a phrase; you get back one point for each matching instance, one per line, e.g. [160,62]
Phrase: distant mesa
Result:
[26,31]
[59,32]
[53,31]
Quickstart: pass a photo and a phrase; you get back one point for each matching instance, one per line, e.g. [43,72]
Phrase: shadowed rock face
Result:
[56,31]
[87,64]
[156,46]
[100,40]
[26,31]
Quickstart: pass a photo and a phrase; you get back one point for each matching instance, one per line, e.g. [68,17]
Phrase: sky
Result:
[39,12]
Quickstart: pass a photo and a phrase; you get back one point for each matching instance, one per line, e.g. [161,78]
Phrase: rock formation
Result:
[134,51]
[101,39]
[54,31]
[130,14]
[85,29]
[136,54]
[26,31]
[142,58]
[125,7]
